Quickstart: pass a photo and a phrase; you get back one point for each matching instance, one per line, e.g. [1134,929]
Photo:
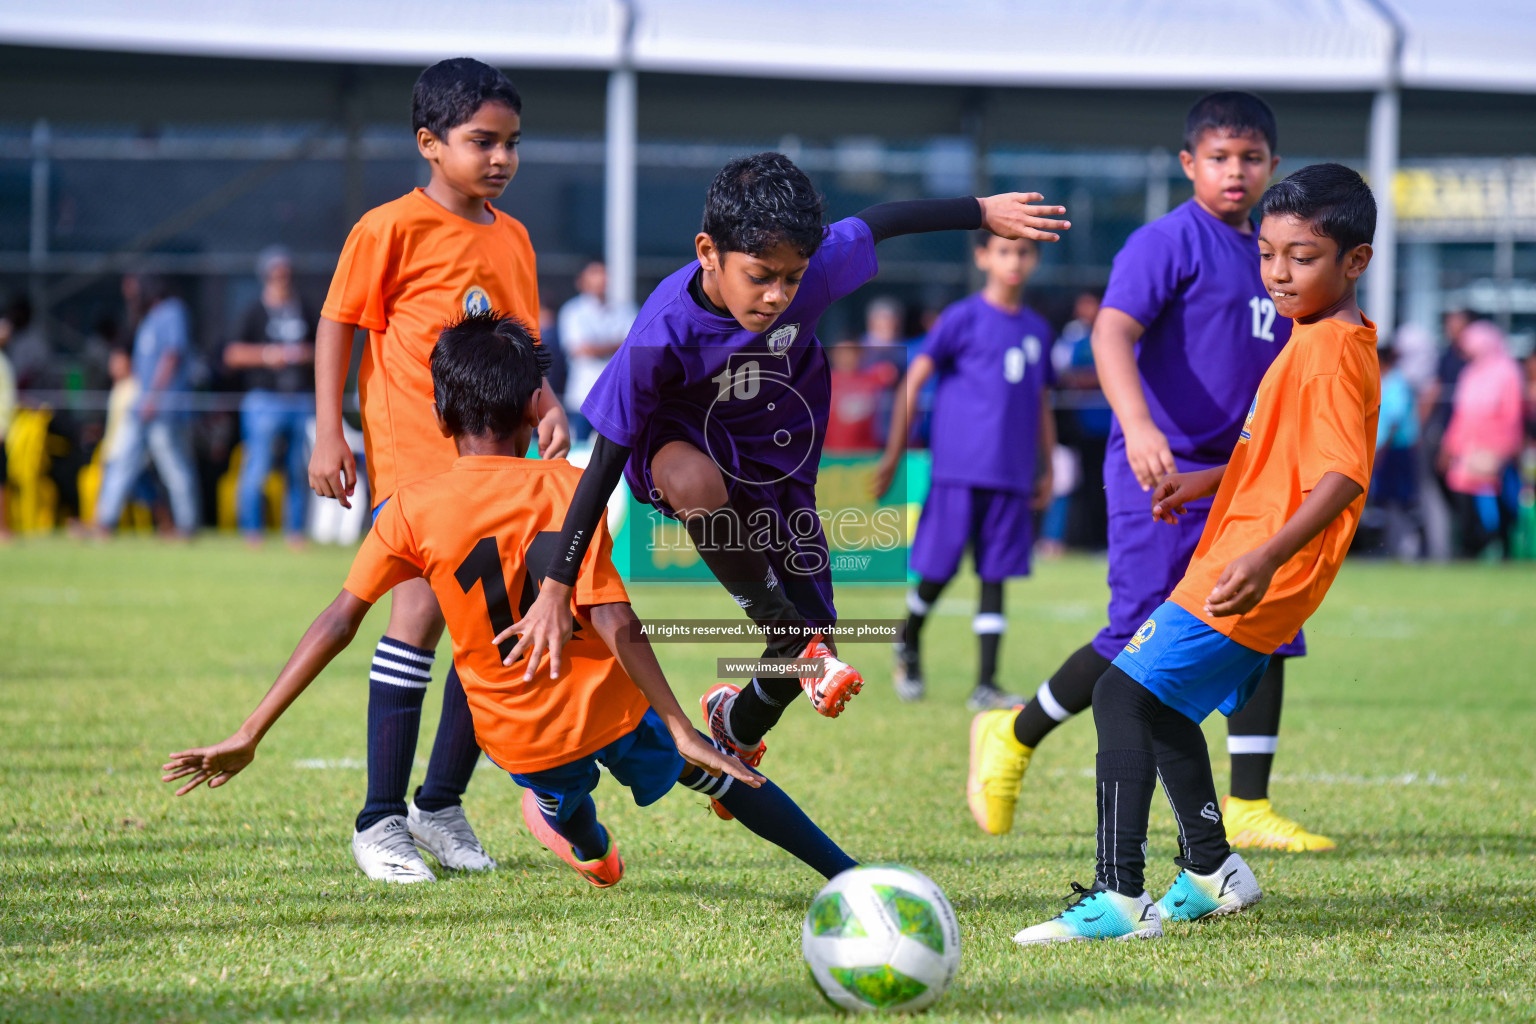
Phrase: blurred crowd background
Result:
[169,222]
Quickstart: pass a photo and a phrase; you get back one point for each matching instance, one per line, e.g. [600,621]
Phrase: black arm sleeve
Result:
[917,215]
[604,471]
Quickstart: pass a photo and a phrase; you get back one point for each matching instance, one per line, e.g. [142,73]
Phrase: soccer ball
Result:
[881,937]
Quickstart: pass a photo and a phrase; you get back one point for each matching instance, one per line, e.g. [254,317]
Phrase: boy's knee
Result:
[689,481]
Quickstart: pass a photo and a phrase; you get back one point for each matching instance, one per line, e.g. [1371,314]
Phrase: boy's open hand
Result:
[333,469]
[214,765]
[704,755]
[1170,497]
[1014,215]
[544,630]
[1146,449]
[1242,585]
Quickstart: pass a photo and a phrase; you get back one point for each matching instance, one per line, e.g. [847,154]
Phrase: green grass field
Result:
[1407,737]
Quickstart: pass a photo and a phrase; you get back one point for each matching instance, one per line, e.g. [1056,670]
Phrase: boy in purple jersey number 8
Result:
[714,409]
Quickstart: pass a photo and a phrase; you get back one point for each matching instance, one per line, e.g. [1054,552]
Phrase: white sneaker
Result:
[1097,914]
[1227,890]
[446,835]
[386,854]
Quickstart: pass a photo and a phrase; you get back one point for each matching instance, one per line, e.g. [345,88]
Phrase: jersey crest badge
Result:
[783,337]
[1142,636]
[1247,434]
[476,300]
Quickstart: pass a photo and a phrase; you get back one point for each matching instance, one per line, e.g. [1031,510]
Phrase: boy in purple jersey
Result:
[1184,337]
[714,409]
[993,433]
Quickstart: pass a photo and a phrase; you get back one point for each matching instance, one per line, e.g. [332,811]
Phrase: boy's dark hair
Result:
[485,366]
[449,92]
[759,201]
[1239,113]
[1334,199]
[981,238]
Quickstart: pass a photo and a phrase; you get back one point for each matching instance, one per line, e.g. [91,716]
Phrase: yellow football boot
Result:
[997,770]
[1254,824]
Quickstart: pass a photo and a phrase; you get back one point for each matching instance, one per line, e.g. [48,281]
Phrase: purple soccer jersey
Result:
[1193,283]
[993,368]
[1211,332]
[759,401]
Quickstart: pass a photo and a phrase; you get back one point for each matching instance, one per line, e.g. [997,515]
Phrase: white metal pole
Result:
[1381,294]
[619,186]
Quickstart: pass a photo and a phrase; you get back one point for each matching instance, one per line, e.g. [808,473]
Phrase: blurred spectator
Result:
[1394,487]
[158,425]
[590,332]
[274,363]
[856,394]
[1484,436]
[1082,426]
[7,413]
[31,358]
[883,331]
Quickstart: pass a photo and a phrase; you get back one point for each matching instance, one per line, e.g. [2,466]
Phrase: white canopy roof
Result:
[1303,44]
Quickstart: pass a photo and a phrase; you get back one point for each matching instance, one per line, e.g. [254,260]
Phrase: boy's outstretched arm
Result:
[326,637]
[620,630]
[1011,215]
[1115,335]
[1245,580]
[332,466]
[902,411]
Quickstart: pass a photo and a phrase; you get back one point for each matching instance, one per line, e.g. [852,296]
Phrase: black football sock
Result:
[1253,734]
[1066,693]
[920,601]
[769,813]
[989,625]
[1184,769]
[454,751]
[397,683]
[588,839]
[719,537]
[1126,771]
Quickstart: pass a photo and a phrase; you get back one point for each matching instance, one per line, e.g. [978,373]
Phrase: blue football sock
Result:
[581,829]
[397,682]
[454,752]
[770,813]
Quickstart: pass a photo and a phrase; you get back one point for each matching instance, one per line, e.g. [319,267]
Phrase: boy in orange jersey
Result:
[478,533]
[408,267]
[1286,509]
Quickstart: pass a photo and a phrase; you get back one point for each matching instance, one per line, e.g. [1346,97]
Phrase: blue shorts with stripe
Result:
[1189,666]
[644,759]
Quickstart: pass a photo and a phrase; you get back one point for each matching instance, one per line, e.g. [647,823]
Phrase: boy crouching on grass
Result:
[1286,509]
[472,532]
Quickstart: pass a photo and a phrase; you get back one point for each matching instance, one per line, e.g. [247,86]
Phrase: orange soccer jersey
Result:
[1315,413]
[472,532]
[408,268]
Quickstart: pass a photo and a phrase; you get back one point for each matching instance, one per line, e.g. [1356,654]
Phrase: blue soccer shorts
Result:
[1189,666]
[644,759]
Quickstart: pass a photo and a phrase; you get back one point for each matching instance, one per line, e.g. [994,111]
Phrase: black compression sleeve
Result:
[604,471]
[916,215]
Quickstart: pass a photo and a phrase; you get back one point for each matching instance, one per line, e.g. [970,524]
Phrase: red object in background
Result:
[856,396]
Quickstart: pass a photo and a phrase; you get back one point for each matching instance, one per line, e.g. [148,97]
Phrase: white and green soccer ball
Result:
[881,937]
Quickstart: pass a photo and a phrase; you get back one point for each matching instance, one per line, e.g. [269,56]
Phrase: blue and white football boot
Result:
[1097,914]
[1226,890]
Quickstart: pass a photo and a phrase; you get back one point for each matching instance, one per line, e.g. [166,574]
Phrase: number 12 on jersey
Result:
[1263,311]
